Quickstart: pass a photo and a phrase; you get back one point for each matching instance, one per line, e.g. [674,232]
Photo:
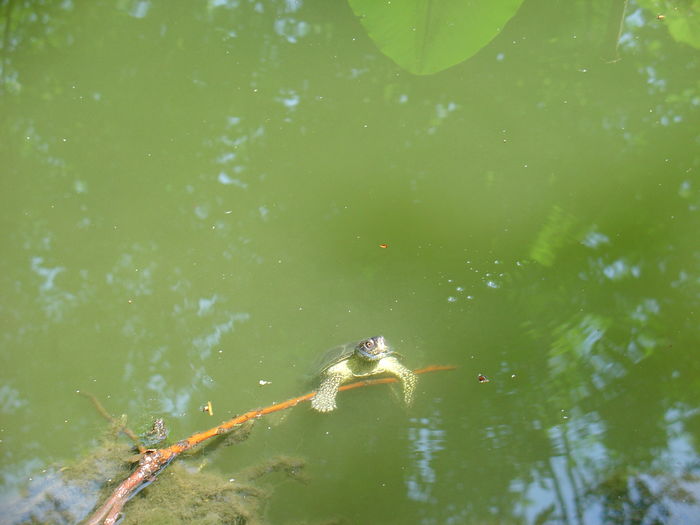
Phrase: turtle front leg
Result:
[324,400]
[408,379]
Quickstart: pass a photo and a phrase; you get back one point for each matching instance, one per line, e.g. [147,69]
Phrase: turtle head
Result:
[372,349]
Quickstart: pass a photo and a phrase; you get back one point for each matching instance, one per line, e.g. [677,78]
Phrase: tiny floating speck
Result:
[262,382]
[208,408]
[483,379]
[384,245]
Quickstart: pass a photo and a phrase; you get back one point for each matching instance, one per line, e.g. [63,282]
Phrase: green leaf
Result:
[681,18]
[556,234]
[427,36]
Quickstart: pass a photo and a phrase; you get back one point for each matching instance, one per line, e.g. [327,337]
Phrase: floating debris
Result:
[157,433]
[483,379]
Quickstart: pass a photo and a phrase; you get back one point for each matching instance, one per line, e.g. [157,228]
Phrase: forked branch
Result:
[153,461]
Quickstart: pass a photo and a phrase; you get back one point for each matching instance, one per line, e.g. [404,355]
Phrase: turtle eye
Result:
[369,344]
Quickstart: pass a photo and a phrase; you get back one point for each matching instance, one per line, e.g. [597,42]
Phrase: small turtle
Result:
[368,357]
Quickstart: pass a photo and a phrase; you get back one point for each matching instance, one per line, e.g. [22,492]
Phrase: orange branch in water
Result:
[154,460]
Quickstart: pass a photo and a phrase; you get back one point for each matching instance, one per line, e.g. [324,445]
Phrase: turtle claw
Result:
[322,405]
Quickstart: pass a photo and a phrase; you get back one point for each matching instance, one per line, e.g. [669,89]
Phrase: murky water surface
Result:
[197,198]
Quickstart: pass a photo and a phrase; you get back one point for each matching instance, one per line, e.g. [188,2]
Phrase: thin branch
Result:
[114,421]
[616,22]
[154,460]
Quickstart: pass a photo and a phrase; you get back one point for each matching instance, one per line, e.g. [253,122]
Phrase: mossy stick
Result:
[153,461]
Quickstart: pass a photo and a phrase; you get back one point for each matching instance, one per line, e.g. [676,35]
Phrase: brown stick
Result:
[153,461]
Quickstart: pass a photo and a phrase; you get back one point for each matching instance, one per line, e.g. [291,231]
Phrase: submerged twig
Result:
[114,421]
[616,21]
[154,460]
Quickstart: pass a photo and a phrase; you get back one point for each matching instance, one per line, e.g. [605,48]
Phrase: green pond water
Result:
[197,199]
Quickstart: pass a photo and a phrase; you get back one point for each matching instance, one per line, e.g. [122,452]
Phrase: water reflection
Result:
[53,300]
[591,355]
[192,178]
[427,439]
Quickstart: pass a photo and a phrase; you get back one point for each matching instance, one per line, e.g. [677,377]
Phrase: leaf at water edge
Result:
[682,19]
[427,36]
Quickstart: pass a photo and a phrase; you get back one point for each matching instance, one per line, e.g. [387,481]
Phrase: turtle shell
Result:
[334,355]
